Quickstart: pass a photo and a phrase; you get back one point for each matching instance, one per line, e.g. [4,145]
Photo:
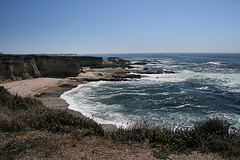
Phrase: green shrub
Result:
[213,126]
[62,121]
[11,125]
[16,102]
[166,141]
[211,135]
[137,133]
[29,114]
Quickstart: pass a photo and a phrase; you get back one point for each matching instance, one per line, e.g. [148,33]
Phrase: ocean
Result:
[204,86]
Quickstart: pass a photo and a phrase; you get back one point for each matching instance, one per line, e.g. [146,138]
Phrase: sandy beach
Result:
[48,91]
[31,87]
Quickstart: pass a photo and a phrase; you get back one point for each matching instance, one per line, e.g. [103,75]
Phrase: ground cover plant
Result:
[28,128]
[22,116]
[208,136]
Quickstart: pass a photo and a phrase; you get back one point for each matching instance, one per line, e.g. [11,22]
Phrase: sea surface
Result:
[204,86]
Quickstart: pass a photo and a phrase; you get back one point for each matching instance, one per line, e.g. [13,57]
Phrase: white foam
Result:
[163,93]
[79,100]
[121,93]
[161,78]
[203,88]
[181,106]
[230,81]
[214,63]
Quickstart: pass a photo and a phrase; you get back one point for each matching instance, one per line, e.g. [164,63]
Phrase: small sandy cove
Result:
[32,87]
[48,91]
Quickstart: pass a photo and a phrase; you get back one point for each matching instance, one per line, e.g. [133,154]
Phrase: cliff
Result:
[17,67]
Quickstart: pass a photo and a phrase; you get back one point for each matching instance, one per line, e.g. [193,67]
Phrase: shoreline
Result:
[48,92]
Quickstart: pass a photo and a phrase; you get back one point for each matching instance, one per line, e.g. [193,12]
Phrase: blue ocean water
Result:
[204,86]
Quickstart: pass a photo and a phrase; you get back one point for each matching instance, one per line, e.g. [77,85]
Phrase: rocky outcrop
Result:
[144,62]
[17,67]
[115,62]
[104,76]
[113,74]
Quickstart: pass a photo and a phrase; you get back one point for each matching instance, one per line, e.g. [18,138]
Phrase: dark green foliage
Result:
[212,127]
[11,125]
[16,102]
[210,135]
[137,133]
[213,135]
[21,114]
[178,140]
[62,121]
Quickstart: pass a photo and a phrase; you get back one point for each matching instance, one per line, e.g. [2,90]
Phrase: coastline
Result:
[48,91]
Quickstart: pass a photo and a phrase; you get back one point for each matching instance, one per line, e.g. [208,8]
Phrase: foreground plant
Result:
[208,136]
[27,116]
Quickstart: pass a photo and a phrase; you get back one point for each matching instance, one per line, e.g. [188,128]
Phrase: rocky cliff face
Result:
[17,67]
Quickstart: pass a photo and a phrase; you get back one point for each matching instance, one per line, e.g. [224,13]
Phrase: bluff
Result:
[17,67]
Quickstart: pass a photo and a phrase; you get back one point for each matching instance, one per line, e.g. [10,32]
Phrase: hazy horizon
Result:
[119,27]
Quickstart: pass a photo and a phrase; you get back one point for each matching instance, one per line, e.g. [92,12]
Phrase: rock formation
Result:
[17,67]
[115,62]
[113,74]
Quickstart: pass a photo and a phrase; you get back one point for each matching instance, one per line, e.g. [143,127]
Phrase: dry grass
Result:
[28,130]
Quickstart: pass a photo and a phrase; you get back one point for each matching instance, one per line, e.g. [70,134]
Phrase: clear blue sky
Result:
[119,26]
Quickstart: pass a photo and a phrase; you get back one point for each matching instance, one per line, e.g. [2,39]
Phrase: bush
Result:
[22,114]
[137,133]
[178,140]
[213,126]
[62,121]
[211,135]
[16,102]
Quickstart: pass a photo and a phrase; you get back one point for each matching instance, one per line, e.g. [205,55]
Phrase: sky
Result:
[119,26]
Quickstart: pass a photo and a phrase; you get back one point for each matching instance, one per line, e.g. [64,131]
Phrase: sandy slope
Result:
[30,87]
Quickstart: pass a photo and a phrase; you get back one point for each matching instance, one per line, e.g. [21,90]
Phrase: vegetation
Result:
[208,136]
[22,116]
[25,124]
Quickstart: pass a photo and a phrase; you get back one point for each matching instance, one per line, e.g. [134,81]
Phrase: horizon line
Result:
[137,53]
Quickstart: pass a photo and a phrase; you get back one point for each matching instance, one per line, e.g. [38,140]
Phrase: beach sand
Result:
[48,91]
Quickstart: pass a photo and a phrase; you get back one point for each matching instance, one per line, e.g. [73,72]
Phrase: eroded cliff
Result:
[17,67]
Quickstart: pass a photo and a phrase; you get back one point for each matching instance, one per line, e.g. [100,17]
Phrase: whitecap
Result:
[203,88]
[214,63]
